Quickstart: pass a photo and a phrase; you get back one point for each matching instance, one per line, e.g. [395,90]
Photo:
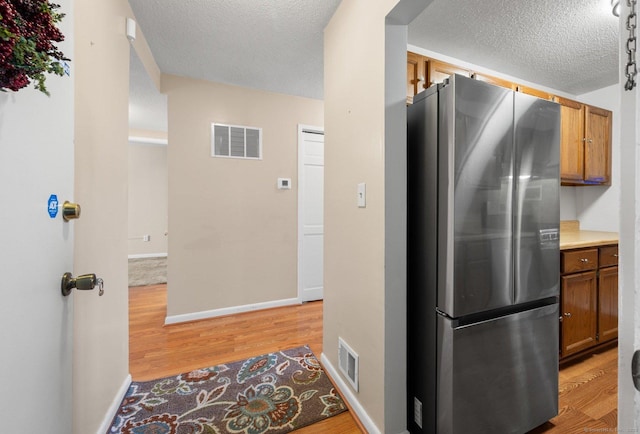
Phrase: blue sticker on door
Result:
[53,206]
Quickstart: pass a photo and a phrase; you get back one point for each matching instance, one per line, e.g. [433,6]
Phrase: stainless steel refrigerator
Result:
[483,259]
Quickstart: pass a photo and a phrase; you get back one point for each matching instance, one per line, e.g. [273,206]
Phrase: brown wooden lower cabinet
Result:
[588,299]
[608,304]
[579,312]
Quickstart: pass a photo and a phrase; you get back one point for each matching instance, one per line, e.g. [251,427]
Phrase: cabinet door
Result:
[535,92]
[494,80]
[438,71]
[579,314]
[571,143]
[608,304]
[413,76]
[597,151]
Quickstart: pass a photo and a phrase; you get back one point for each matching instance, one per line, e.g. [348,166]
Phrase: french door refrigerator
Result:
[483,259]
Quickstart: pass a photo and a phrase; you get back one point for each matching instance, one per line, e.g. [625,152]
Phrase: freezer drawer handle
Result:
[635,369]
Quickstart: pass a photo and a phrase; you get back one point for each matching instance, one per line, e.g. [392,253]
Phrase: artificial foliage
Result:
[28,34]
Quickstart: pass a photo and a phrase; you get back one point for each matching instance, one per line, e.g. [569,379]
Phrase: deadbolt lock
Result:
[70,211]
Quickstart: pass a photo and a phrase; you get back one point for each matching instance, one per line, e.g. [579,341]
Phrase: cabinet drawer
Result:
[608,256]
[579,260]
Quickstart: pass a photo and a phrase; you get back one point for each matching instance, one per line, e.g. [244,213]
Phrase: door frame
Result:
[301,129]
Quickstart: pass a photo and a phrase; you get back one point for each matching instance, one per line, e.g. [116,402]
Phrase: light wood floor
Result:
[158,351]
[588,395]
[588,386]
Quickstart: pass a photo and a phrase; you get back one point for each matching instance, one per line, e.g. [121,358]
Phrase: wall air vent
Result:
[234,141]
[348,363]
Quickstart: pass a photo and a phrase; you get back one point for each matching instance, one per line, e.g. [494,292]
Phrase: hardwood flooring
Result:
[588,398]
[156,350]
[588,386]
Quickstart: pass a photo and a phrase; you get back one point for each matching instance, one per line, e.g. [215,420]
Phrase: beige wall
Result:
[354,152]
[148,134]
[232,233]
[147,198]
[365,274]
[101,64]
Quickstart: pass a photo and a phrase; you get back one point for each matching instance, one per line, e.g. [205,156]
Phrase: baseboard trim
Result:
[348,394]
[115,405]
[148,255]
[174,319]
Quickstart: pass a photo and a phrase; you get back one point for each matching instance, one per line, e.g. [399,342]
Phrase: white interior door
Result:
[36,161]
[310,212]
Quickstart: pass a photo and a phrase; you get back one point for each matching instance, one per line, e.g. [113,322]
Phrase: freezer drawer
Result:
[500,375]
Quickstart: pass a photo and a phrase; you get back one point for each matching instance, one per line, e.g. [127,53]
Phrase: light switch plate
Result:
[362,195]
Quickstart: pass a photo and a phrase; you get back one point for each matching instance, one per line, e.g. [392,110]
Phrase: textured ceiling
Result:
[264,44]
[277,45]
[567,45]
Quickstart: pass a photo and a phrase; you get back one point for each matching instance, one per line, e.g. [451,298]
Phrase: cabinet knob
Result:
[567,314]
[584,260]
[615,255]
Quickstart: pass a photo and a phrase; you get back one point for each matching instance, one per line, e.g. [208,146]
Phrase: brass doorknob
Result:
[83,282]
[70,211]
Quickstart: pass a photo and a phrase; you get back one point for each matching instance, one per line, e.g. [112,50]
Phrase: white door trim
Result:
[302,128]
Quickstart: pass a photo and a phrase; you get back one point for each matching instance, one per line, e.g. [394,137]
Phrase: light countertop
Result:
[571,237]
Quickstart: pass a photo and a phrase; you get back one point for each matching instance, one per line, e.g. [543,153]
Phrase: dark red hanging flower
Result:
[27,35]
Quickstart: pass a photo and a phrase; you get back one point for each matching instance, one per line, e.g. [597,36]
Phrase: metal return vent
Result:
[348,362]
[236,141]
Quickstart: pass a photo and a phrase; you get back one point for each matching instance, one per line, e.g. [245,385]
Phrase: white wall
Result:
[148,205]
[568,204]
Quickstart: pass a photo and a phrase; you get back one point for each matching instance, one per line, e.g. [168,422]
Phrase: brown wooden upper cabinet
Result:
[534,92]
[585,144]
[585,137]
[416,75]
[438,71]
[494,80]
[423,72]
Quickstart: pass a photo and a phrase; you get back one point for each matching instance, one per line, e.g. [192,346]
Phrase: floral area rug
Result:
[272,393]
